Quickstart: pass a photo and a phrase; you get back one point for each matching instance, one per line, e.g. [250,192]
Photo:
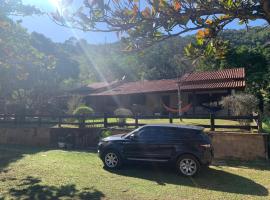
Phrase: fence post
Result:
[260,129]
[15,120]
[82,124]
[212,122]
[39,121]
[136,121]
[59,122]
[170,118]
[105,120]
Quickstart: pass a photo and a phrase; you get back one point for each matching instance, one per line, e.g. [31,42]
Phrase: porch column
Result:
[194,100]
[229,93]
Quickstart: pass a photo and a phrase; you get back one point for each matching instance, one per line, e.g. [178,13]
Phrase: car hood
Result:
[114,137]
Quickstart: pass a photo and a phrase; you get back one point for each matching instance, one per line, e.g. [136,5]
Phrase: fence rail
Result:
[105,120]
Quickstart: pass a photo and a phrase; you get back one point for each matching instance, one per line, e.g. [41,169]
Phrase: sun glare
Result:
[55,3]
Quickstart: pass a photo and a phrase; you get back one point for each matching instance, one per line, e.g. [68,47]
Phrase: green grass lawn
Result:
[27,173]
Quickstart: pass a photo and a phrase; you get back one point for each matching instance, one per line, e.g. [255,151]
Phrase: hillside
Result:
[163,60]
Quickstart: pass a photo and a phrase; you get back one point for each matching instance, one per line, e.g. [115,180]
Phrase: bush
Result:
[241,105]
[105,134]
[74,102]
[122,112]
[83,110]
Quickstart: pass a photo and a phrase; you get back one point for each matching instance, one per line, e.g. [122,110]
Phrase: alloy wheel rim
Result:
[188,167]
[111,160]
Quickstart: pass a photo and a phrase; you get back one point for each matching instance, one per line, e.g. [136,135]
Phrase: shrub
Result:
[83,110]
[105,134]
[241,105]
[74,102]
[122,112]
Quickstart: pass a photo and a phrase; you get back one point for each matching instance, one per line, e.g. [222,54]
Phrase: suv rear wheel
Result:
[188,165]
[112,160]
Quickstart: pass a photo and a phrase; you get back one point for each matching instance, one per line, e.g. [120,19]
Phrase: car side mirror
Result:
[133,137]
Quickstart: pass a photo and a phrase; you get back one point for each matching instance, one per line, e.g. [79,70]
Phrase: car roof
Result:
[199,128]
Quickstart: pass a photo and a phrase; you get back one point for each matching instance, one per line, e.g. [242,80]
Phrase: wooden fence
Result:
[84,121]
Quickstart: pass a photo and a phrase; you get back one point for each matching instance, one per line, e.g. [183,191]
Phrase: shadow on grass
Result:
[209,179]
[13,153]
[31,188]
[256,164]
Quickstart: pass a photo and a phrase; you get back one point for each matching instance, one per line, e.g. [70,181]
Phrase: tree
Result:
[28,77]
[16,8]
[149,21]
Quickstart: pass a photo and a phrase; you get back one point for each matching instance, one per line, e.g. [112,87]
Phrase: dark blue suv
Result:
[187,147]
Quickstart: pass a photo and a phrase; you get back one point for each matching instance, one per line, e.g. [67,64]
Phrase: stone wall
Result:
[49,137]
[79,138]
[25,136]
[244,146]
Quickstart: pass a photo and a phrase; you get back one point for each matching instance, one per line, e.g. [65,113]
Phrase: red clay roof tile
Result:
[223,79]
[142,87]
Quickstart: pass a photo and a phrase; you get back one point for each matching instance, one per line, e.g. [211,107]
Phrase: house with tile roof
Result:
[200,93]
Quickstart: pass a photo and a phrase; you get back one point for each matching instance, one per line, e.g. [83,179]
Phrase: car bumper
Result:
[99,150]
[207,157]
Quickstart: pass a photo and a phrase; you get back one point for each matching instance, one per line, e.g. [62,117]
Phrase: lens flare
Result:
[55,3]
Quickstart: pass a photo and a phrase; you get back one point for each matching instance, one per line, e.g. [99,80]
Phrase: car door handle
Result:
[127,142]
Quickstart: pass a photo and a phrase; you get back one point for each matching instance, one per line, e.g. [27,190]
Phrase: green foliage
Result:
[266,125]
[26,74]
[29,69]
[123,112]
[74,102]
[105,133]
[142,24]
[241,105]
[16,7]
[83,110]
[163,60]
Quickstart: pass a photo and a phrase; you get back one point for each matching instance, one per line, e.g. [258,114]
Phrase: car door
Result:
[143,146]
[166,142]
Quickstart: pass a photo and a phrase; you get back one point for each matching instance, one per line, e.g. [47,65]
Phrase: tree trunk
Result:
[266,9]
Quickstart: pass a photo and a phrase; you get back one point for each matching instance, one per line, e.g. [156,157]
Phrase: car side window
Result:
[147,133]
[153,133]
[185,133]
[172,133]
[167,133]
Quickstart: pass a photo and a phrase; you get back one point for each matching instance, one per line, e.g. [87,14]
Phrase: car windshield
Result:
[130,133]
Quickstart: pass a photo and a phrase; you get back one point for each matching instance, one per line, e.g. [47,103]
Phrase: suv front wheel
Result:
[112,160]
[188,165]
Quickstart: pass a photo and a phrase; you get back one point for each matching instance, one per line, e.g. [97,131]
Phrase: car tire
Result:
[112,160]
[188,165]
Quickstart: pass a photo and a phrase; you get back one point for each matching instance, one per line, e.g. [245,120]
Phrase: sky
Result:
[43,24]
